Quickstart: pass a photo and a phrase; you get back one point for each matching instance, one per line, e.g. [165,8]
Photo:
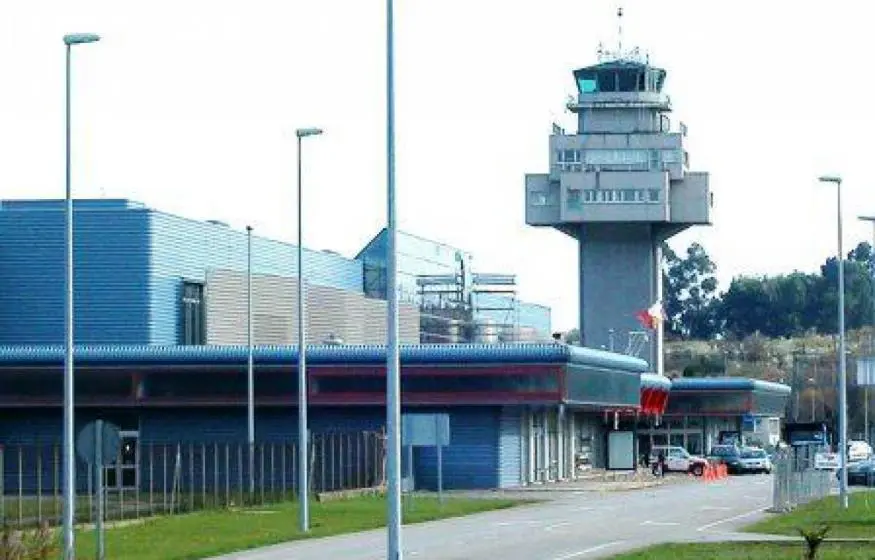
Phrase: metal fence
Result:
[161,478]
[795,479]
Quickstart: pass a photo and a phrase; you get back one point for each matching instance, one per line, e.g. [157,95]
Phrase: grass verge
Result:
[205,534]
[858,521]
[749,551]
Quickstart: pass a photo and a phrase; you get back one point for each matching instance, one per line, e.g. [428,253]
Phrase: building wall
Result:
[188,249]
[129,264]
[480,455]
[617,271]
[348,315]
[111,296]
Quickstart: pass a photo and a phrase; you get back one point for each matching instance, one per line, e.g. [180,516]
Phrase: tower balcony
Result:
[620,100]
[612,197]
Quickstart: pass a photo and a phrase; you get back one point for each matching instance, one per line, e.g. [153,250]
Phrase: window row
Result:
[577,197]
[576,160]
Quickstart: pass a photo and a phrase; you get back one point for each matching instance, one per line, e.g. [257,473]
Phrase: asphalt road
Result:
[578,525]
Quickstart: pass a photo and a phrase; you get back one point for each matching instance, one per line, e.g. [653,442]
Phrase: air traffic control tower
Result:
[620,186]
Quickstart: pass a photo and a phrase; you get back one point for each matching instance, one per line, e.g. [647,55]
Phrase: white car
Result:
[858,451]
[754,459]
[677,459]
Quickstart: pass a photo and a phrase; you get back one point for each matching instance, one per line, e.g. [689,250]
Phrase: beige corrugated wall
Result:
[348,315]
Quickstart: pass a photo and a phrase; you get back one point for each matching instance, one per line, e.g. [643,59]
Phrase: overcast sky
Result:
[190,107]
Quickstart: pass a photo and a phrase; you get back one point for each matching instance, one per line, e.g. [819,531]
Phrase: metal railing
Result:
[170,478]
[796,481]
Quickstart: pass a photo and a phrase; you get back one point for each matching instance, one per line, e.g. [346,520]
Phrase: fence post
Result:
[203,476]
[283,448]
[56,484]
[39,484]
[20,485]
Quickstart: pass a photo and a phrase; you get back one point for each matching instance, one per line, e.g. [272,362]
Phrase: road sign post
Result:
[426,430]
[98,445]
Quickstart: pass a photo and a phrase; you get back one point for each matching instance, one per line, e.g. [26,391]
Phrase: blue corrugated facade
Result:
[129,265]
[111,264]
[484,442]
[186,249]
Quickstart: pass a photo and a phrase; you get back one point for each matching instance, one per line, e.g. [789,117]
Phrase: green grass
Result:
[858,521]
[210,533]
[749,551]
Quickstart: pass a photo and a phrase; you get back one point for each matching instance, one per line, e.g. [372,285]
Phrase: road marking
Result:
[721,508]
[728,519]
[661,523]
[586,551]
[557,525]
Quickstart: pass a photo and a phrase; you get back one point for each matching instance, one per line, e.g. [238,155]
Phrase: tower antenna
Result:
[620,28]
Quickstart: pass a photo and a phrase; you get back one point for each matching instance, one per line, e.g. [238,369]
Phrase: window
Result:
[574,200]
[539,199]
[671,156]
[587,85]
[615,157]
[568,160]
[194,330]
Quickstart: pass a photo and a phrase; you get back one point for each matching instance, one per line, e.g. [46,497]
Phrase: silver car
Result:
[755,460]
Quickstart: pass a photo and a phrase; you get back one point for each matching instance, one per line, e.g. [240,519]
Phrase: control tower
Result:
[621,186]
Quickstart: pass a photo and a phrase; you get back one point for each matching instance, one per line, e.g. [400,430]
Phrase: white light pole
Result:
[866,433]
[250,366]
[69,452]
[303,444]
[843,380]
[393,362]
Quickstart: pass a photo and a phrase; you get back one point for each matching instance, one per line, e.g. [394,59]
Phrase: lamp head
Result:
[302,132]
[80,38]
[830,179]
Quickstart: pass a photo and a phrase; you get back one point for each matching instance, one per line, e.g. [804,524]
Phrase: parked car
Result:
[858,450]
[861,472]
[728,455]
[677,459]
[756,460]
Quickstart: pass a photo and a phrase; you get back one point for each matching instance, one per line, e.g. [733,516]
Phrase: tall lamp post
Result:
[303,444]
[843,378]
[69,453]
[872,336]
[393,359]
[250,367]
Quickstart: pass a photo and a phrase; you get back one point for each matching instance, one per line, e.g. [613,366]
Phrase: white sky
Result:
[190,107]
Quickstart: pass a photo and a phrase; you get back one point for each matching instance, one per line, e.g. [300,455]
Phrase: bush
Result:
[38,544]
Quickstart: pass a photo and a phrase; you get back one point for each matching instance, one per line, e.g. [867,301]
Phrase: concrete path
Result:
[578,525]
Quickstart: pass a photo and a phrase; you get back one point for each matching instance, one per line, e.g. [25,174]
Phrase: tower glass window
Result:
[194,330]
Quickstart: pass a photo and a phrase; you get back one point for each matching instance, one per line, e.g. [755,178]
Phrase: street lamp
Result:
[303,446]
[871,336]
[393,358]
[843,381]
[250,367]
[69,453]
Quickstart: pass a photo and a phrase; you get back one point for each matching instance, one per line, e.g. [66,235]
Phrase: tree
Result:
[690,290]
[573,337]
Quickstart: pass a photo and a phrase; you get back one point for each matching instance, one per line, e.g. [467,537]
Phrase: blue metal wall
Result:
[186,249]
[129,265]
[110,252]
[484,451]
[472,458]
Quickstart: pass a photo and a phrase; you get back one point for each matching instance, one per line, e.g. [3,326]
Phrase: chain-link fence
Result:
[796,480]
[158,478]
